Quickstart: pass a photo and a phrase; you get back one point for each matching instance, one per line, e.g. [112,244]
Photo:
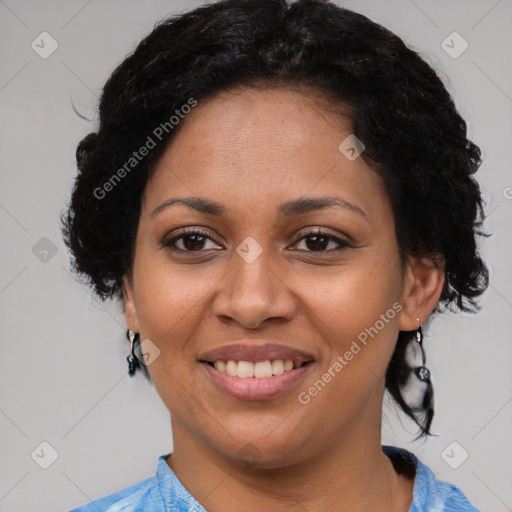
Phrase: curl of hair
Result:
[414,136]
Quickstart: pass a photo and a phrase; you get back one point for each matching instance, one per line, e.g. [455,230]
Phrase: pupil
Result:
[198,243]
[317,245]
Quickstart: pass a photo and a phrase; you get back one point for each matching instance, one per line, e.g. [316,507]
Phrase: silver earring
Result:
[422,372]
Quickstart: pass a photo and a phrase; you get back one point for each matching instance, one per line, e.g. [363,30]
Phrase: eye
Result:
[318,241]
[191,240]
[194,240]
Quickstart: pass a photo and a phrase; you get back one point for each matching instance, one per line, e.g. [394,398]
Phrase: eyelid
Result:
[188,230]
[341,240]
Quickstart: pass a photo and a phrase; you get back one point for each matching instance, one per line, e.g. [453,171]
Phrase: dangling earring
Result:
[133,361]
[422,372]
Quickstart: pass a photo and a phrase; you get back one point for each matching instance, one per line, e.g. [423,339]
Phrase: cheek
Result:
[169,309]
[358,317]
[353,297]
[168,301]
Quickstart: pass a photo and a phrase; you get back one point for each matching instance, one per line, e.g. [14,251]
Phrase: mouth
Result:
[255,372]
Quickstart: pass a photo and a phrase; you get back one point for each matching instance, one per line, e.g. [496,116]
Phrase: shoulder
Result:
[163,491]
[431,494]
[141,496]
[434,494]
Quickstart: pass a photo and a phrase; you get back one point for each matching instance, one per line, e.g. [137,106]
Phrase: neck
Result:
[351,475]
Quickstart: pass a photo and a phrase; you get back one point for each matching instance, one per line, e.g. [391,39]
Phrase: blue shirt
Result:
[164,492]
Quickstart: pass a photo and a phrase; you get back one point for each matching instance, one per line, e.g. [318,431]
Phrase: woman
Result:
[280,196]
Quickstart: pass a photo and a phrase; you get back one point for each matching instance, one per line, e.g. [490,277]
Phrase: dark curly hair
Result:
[414,136]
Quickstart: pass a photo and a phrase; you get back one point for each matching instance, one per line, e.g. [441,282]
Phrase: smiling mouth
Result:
[256,369]
[256,380]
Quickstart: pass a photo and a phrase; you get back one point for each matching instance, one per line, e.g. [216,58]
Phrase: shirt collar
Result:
[174,494]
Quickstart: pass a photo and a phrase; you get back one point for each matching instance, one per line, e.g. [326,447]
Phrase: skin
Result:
[251,150]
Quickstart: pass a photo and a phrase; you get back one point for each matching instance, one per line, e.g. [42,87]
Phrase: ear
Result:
[423,284]
[130,310]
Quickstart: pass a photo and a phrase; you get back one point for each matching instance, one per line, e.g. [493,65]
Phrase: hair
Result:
[413,134]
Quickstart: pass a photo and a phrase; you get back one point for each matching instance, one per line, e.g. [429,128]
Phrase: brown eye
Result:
[319,241]
[189,241]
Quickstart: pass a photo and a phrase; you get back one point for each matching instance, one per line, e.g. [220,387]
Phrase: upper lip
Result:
[250,351]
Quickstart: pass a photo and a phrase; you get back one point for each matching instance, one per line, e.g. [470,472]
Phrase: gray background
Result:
[63,375]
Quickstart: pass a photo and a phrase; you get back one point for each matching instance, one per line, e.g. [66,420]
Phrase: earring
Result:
[133,361]
[422,372]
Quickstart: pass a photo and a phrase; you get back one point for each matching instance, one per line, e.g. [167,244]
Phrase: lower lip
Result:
[256,389]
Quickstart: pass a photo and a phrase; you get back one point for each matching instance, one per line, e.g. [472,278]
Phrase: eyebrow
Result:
[287,209]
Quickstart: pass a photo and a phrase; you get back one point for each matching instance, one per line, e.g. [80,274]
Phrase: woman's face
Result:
[253,277]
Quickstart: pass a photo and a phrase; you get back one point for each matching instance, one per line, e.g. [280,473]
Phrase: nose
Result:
[252,293]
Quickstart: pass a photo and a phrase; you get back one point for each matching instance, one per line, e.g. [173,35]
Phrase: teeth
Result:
[231,368]
[245,369]
[277,367]
[262,369]
[259,370]
[220,365]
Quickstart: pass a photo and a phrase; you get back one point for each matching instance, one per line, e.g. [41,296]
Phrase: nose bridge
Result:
[252,269]
[253,290]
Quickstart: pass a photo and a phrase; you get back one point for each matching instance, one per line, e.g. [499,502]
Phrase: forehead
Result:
[262,121]
[261,146]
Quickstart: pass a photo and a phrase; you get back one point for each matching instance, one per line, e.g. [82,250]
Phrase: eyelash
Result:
[168,243]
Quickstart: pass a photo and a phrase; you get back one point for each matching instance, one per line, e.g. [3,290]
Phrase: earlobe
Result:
[130,311]
[423,284]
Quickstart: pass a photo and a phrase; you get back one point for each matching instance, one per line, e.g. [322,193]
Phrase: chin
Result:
[265,452]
